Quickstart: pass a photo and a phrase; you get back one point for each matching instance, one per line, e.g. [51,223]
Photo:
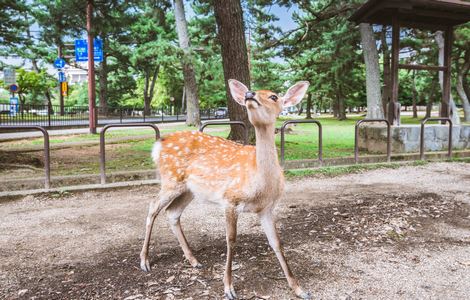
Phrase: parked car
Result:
[221,113]
[38,112]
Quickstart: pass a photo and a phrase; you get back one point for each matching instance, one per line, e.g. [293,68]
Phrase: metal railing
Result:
[356,138]
[57,116]
[320,137]
[102,143]
[218,123]
[47,164]
[421,138]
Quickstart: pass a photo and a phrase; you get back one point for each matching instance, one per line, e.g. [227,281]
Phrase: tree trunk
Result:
[341,108]
[231,35]
[193,118]
[149,89]
[431,98]
[47,93]
[428,109]
[146,93]
[309,106]
[466,86]
[387,88]
[460,86]
[103,80]
[454,114]
[371,60]
[334,107]
[414,95]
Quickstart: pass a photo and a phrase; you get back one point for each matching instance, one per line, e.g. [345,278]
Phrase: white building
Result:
[76,75]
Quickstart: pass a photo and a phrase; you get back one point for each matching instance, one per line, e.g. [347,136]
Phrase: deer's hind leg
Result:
[174,211]
[165,197]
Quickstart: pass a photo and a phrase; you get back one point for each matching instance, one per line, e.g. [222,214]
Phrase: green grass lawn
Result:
[302,143]
[134,153]
[338,138]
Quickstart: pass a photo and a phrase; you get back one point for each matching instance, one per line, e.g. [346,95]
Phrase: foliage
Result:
[33,85]
[12,24]
[78,95]
[140,46]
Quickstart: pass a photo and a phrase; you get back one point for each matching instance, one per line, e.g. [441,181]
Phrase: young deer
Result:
[239,178]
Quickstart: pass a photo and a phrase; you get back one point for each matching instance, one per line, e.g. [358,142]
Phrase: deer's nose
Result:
[250,95]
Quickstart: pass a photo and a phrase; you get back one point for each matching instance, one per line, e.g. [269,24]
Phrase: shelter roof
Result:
[424,14]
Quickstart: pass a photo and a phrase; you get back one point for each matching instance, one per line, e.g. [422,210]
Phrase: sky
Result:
[285,17]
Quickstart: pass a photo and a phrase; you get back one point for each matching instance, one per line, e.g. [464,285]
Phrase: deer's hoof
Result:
[198,266]
[305,295]
[230,294]
[145,265]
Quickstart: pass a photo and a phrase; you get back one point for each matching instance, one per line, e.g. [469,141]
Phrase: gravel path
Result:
[384,234]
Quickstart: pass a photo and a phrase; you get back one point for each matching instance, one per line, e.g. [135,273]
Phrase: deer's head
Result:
[264,106]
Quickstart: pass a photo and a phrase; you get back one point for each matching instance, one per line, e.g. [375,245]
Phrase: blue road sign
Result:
[13,106]
[59,63]
[14,88]
[98,50]
[61,76]
[81,50]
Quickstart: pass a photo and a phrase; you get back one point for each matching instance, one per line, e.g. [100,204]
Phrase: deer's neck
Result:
[266,154]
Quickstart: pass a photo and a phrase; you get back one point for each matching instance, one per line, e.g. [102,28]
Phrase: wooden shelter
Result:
[422,14]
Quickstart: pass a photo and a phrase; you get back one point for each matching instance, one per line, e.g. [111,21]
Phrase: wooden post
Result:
[394,69]
[91,69]
[448,39]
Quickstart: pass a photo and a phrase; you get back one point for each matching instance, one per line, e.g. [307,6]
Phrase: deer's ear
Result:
[238,91]
[295,93]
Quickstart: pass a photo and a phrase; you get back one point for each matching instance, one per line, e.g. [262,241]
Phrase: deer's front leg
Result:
[269,225]
[231,218]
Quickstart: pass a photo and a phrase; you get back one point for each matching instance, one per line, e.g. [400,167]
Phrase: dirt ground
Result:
[384,234]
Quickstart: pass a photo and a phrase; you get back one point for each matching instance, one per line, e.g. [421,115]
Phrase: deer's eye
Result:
[273,97]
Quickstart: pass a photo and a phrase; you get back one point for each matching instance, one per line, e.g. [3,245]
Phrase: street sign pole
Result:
[61,98]
[91,69]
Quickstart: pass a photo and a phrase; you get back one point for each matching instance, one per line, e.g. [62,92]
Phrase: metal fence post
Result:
[356,138]
[421,138]
[47,163]
[102,143]
[320,138]
[217,123]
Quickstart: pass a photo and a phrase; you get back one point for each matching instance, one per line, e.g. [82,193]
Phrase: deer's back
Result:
[206,163]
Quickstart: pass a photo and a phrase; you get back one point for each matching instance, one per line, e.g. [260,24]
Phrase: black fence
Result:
[54,116]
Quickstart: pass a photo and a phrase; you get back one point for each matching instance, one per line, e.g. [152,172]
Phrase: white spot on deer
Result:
[187,150]
[157,148]
[176,147]
[169,145]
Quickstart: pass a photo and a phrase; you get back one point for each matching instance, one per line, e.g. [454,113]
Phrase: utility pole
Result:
[91,69]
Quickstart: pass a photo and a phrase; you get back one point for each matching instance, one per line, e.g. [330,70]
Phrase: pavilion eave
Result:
[423,14]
